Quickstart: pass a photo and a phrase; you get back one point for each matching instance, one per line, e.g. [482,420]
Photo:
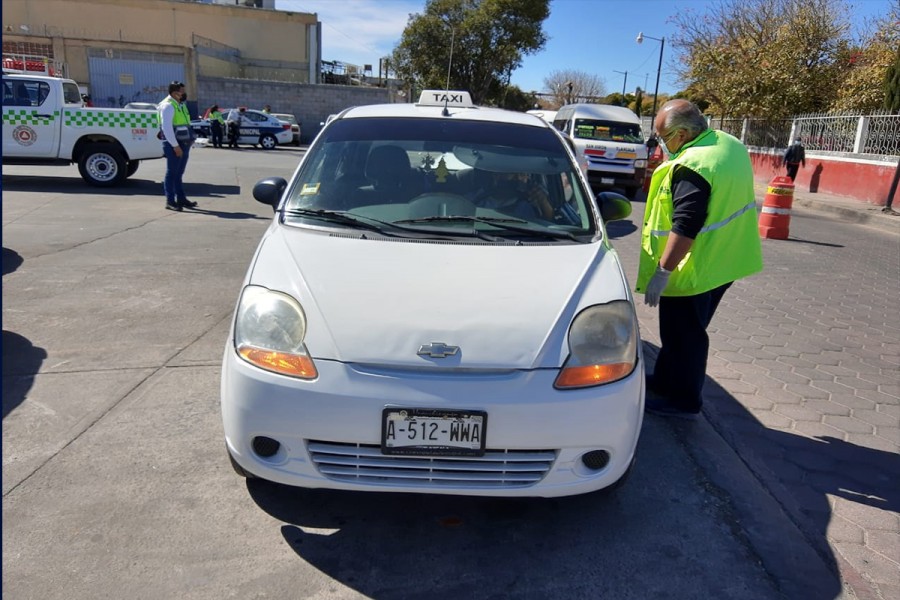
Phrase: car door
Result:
[250,125]
[31,118]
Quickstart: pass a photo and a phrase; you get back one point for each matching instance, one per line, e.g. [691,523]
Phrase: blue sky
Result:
[593,36]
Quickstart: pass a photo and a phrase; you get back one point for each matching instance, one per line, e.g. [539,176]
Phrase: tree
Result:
[892,86]
[863,88]
[585,87]
[764,57]
[489,39]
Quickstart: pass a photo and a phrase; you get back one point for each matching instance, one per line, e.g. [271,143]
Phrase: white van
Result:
[608,143]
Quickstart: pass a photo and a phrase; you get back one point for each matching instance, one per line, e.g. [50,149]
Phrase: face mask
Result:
[664,148]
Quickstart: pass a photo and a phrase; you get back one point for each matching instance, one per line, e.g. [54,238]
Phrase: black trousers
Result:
[792,170]
[233,132]
[216,129]
[681,366]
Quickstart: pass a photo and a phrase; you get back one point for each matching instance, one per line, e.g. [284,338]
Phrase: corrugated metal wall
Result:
[119,77]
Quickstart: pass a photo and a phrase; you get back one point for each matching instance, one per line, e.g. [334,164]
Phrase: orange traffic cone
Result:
[775,219]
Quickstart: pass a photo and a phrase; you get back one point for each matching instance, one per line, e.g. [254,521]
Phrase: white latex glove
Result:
[657,284]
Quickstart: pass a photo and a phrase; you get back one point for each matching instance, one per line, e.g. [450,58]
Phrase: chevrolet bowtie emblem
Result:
[437,350]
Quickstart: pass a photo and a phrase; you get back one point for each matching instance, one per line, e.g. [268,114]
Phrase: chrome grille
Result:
[365,464]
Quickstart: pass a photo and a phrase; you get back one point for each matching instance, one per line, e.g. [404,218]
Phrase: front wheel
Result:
[132,167]
[268,141]
[102,165]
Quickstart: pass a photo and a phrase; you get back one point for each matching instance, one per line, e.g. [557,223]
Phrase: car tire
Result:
[102,165]
[132,167]
[239,469]
[268,141]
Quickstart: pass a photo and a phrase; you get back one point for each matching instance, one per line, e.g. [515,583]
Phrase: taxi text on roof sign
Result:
[459,99]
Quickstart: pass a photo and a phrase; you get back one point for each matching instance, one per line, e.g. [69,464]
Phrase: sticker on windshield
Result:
[309,189]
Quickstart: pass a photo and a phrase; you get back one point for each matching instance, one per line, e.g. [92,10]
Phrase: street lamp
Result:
[662,44]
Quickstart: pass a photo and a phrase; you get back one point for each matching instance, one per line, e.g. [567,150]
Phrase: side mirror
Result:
[269,191]
[613,206]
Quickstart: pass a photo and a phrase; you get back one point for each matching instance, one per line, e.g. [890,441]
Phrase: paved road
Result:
[116,484]
[804,383]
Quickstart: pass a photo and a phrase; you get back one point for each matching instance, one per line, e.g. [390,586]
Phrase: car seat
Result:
[392,176]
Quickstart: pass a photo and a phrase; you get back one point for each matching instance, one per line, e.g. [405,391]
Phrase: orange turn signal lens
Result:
[293,365]
[575,377]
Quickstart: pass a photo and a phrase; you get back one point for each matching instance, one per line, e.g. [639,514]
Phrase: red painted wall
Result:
[859,181]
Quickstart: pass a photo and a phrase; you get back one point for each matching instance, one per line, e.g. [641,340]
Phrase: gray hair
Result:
[685,115]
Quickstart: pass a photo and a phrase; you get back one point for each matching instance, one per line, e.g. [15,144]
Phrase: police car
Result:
[256,128]
[436,307]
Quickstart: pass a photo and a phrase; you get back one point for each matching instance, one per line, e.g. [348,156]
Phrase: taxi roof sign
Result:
[454,98]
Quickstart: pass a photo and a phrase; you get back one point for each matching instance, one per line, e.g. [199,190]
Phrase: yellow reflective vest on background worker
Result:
[727,247]
[216,116]
[182,115]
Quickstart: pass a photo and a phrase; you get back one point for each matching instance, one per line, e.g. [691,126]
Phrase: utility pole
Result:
[624,83]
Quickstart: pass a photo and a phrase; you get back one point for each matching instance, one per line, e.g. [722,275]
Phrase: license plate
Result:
[607,180]
[433,432]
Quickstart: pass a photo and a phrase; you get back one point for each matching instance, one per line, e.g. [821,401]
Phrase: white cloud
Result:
[357,31]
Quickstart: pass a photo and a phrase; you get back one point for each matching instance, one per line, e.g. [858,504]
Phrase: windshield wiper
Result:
[496,222]
[361,222]
[336,216]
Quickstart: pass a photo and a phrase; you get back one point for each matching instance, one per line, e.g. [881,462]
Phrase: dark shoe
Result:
[659,405]
[186,203]
[175,207]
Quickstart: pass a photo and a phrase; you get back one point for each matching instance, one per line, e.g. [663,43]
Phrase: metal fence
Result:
[877,134]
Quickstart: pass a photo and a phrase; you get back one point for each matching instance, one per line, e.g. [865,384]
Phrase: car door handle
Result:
[44,116]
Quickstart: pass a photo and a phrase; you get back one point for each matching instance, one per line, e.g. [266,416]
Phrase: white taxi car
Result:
[435,308]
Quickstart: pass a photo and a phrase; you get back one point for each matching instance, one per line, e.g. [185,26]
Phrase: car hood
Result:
[378,301]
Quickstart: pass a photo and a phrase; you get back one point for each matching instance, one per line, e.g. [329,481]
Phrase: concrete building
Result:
[128,50]
[229,52]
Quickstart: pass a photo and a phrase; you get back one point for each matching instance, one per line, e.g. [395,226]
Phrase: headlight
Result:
[269,330]
[602,346]
[640,163]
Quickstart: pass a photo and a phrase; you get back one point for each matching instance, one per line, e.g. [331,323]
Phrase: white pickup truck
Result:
[44,122]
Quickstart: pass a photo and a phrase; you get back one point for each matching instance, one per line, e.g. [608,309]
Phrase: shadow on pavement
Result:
[131,187]
[800,473]
[225,215]
[617,229]
[802,241]
[410,546]
[11,260]
[21,362]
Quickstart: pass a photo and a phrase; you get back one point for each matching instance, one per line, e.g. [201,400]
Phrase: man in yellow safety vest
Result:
[699,236]
[177,138]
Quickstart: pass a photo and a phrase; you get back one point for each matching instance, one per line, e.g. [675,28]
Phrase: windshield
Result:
[447,177]
[608,131]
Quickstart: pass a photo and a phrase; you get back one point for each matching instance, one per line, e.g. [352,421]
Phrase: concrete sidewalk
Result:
[841,208]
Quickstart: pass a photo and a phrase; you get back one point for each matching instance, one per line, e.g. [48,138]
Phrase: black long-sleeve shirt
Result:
[690,201]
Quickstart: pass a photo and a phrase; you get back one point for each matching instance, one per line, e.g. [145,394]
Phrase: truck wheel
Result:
[132,167]
[268,141]
[102,165]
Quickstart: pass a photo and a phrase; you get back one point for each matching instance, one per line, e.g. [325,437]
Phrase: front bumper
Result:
[337,418]
[605,180]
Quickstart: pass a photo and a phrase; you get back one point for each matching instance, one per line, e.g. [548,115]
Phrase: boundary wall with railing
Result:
[849,155]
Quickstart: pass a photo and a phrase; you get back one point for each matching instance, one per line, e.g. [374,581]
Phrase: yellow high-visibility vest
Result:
[727,247]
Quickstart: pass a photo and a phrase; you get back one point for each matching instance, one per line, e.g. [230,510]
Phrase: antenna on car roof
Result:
[450,62]
[445,112]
